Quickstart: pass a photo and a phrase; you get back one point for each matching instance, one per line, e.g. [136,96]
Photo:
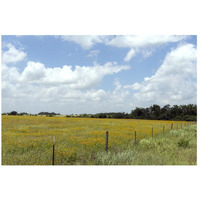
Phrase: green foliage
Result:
[154,112]
[183,143]
[160,150]
[147,143]
[13,113]
[182,112]
[48,113]
[31,143]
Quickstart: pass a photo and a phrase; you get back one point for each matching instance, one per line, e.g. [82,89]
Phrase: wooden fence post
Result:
[171,125]
[135,137]
[152,132]
[106,145]
[53,156]
[163,130]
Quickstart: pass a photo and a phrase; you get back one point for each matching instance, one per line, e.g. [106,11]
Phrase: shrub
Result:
[147,143]
[183,143]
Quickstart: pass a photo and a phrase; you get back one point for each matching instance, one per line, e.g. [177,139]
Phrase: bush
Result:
[147,143]
[183,143]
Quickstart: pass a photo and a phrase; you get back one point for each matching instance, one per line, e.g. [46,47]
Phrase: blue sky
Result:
[96,73]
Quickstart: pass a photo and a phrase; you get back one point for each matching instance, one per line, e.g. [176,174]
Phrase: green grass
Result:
[28,141]
[177,147]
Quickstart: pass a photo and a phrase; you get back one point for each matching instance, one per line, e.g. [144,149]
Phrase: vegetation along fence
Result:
[60,140]
[134,137]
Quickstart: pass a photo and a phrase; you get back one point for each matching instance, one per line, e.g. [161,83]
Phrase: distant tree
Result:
[183,112]
[120,115]
[13,113]
[138,113]
[23,113]
[102,115]
[155,111]
[165,112]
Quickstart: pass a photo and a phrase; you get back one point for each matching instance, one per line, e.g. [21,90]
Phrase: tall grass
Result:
[177,147]
[28,140]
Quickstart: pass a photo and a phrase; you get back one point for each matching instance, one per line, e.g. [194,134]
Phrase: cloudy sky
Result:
[96,73]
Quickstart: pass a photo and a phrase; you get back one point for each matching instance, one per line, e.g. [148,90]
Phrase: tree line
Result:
[48,114]
[154,112]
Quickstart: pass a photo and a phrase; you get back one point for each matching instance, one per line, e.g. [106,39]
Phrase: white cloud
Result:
[130,54]
[174,82]
[9,73]
[71,89]
[39,88]
[144,44]
[81,77]
[93,53]
[143,41]
[146,53]
[34,71]
[12,55]
[85,41]
[135,86]
[120,94]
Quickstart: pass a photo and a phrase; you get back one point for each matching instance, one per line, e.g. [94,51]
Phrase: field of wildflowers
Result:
[27,140]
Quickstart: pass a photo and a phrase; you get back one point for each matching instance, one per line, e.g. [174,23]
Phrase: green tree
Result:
[13,113]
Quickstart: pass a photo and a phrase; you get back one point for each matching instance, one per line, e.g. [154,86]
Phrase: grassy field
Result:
[177,147]
[27,140]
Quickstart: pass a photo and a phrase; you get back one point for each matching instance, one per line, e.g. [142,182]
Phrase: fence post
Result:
[135,137]
[171,125]
[53,156]
[163,129]
[106,146]
[152,132]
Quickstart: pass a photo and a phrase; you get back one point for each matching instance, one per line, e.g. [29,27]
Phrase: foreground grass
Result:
[177,147]
[28,141]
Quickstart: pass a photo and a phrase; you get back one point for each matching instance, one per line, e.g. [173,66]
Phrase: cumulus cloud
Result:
[85,41]
[12,55]
[38,87]
[135,86]
[41,88]
[9,73]
[143,41]
[174,82]
[79,77]
[144,44]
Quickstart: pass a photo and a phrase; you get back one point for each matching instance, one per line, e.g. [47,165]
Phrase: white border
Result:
[100,17]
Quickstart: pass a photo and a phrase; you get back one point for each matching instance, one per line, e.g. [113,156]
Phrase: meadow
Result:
[28,140]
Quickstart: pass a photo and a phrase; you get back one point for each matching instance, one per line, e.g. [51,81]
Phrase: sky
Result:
[74,74]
